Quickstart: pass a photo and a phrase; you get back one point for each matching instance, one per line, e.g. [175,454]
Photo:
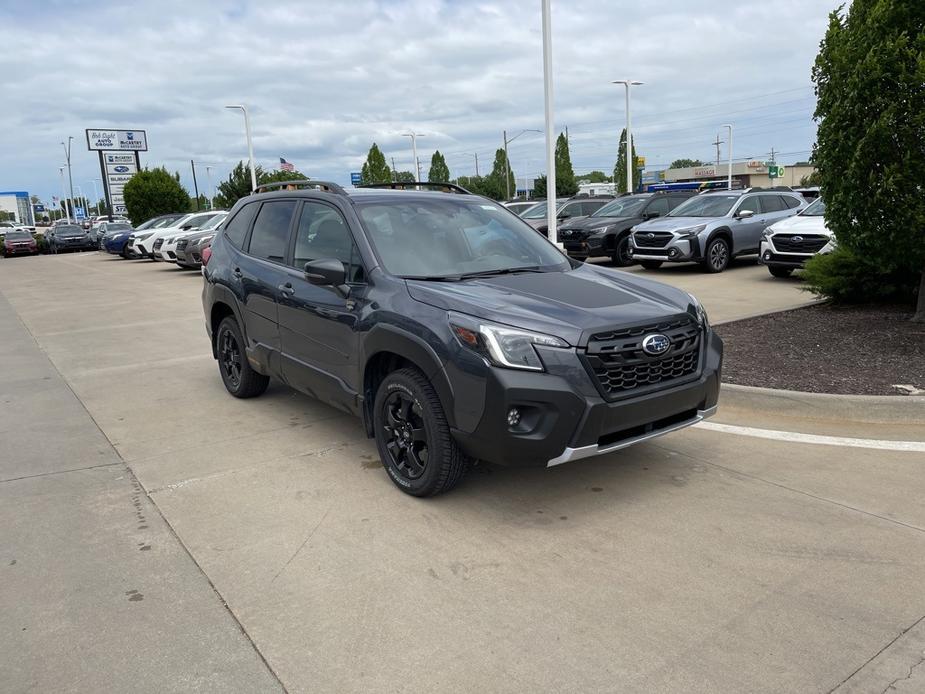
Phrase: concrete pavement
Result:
[701,562]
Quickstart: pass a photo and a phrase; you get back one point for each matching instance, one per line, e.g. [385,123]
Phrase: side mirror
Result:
[651,214]
[328,272]
[745,214]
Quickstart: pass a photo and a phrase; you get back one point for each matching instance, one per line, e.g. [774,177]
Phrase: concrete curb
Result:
[874,409]
[813,302]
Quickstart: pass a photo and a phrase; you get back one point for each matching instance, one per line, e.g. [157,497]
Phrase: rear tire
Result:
[780,271]
[716,259]
[413,436]
[239,378]
[621,256]
[651,264]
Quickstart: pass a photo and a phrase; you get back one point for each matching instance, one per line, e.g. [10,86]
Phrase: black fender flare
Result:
[390,338]
[224,295]
[721,231]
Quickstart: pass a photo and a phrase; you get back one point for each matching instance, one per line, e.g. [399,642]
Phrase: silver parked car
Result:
[712,228]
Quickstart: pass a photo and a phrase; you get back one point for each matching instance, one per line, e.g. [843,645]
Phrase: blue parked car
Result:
[114,237]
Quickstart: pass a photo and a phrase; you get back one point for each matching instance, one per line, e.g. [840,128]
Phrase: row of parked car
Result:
[711,228]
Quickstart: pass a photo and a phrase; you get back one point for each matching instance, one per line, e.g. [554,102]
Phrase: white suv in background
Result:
[168,247]
[788,244]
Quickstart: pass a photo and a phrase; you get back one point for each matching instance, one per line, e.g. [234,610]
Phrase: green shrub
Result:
[847,277]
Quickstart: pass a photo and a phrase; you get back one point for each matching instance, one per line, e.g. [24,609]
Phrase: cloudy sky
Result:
[324,80]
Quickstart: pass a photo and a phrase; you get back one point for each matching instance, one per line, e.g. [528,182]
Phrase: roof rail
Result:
[404,185]
[302,183]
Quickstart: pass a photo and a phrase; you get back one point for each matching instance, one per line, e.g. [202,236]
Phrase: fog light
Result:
[767,255]
[513,417]
[673,252]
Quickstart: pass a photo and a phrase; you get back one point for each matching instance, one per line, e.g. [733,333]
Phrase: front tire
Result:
[651,264]
[413,436]
[781,272]
[621,253]
[717,256]
[239,378]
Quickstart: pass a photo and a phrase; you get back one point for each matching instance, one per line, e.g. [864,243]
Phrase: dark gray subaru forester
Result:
[455,331]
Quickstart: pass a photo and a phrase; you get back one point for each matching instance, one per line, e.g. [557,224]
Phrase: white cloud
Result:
[323,82]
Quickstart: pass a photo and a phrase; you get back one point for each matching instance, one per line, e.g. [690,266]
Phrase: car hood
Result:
[70,234]
[672,223]
[592,222]
[570,305]
[807,225]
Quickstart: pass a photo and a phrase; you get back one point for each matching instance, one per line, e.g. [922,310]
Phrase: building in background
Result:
[745,174]
[17,202]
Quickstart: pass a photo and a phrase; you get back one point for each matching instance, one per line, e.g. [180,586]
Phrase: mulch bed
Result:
[860,350]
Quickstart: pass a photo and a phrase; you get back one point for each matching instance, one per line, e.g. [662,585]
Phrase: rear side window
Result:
[752,203]
[236,229]
[592,206]
[675,200]
[772,203]
[659,205]
[791,203]
[271,230]
[323,233]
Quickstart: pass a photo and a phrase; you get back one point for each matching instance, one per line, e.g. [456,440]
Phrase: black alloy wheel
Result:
[405,435]
[621,254]
[239,377]
[229,357]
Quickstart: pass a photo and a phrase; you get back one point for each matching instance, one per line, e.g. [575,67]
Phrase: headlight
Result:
[511,348]
[142,237]
[766,233]
[601,230]
[699,311]
[690,232]
[205,239]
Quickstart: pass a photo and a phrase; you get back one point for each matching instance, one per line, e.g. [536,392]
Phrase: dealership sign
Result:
[117,140]
[705,171]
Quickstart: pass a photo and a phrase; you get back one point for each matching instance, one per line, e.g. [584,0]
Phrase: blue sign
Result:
[355,178]
[79,213]
[121,169]
[39,208]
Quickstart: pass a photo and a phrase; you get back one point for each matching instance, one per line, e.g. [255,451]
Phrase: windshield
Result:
[65,229]
[196,221]
[18,236]
[443,238]
[120,226]
[214,222]
[705,206]
[538,211]
[627,207]
[817,209]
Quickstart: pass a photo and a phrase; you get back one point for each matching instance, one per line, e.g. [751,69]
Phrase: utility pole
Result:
[717,142]
[67,154]
[729,172]
[211,189]
[195,185]
[773,160]
[552,233]
[394,170]
[64,200]
[476,155]
[96,194]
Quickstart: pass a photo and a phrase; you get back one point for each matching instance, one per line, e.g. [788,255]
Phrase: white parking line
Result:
[796,437]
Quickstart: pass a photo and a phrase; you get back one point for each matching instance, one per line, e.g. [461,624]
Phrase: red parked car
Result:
[19,243]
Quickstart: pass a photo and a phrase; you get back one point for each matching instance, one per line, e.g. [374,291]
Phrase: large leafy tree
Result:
[870,147]
[619,170]
[404,176]
[595,177]
[439,172]
[474,184]
[565,174]
[375,169]
[237,186]
[153,192]
[494,185]
[684,164]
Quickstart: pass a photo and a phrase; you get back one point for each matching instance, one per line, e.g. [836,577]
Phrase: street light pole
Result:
[64,200]
[630,164]
[250,144]
[729,174]
[67,154]
[96,195]
[211,189]
[551,233]
[80,195]
[195,184]
[507,169]
[414,152]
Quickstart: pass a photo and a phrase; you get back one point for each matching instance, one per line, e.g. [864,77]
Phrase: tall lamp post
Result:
[507,141]
[211,189]
[729,174]
[250,144]
[81,196]
[552,233]
[64,200]
[414,152]
[67,155]
[630,164]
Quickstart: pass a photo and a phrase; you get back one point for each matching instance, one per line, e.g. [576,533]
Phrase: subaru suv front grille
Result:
[799,243]
[652,239]
[619,365]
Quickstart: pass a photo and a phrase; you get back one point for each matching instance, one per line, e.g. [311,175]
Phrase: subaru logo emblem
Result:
[655,344]
[797,239]
[120,169]
[650,235]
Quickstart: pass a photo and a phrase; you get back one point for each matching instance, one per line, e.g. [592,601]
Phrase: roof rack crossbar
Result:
[302,183]
[404,185]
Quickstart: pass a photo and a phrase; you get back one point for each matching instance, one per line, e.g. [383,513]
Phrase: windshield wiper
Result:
[432,278]
[501,271]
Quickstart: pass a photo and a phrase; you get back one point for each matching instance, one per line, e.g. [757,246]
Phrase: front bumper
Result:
[677,250]
[563,416]
[768,255]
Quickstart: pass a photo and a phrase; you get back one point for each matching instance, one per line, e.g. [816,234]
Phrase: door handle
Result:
[286,289]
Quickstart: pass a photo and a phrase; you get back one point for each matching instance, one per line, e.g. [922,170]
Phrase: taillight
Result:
[206,254]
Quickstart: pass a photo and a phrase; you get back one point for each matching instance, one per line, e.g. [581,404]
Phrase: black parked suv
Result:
[606,232]
[451,328]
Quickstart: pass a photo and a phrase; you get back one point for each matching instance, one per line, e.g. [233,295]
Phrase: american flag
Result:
[285,165]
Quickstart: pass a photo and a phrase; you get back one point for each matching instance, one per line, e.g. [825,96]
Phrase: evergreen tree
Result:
[375,169]
[870,144]
[404,177]
[439,171]
[237,186]
[619,170]
[495,186]
[565,174]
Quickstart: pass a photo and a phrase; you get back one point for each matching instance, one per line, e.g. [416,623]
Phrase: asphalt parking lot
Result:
[159,535]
